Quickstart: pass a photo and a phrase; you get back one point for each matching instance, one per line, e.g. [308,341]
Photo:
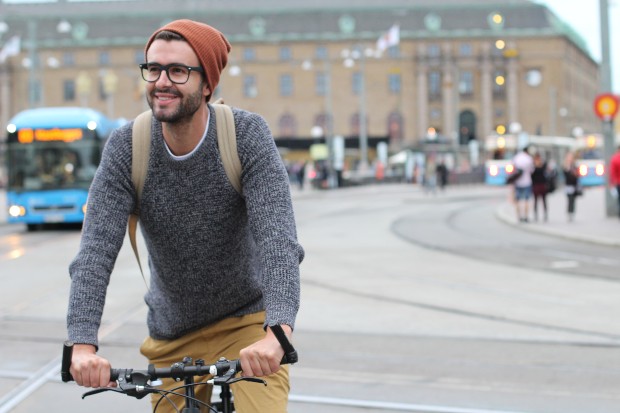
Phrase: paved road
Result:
[387,321]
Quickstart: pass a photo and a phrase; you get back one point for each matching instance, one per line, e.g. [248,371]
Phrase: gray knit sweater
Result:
[212,252]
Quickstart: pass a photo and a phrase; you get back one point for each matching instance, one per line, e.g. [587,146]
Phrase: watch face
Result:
[533,77]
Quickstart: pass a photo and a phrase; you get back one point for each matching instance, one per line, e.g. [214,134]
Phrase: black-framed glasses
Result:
[177,73]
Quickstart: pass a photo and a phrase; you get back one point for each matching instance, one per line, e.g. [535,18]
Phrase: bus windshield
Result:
[52,165]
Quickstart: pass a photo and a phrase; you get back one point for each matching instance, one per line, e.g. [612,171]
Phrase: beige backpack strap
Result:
[227,142]
[140,150]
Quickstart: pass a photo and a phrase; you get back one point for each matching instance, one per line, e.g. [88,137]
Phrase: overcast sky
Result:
[583,16]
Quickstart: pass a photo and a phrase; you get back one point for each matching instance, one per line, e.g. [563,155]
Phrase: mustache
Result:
[167,91]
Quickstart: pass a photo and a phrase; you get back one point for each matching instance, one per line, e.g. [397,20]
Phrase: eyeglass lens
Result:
[176,73]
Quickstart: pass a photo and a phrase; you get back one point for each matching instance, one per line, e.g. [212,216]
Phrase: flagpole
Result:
[32,70]
[362,125]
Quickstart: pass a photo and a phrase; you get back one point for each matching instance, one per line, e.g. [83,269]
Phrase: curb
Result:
[505,213]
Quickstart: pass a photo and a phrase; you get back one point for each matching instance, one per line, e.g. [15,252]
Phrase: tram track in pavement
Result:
[457,206]
[476,315]
[532,250]
[51,370]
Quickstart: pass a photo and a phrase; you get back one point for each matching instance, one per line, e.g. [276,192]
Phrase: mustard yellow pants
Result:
[223,339]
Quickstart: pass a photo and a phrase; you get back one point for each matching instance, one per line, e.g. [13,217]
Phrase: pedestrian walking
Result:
[442,175]
[540,185]
[224,265]
[430,175]
[614,175]
[524,163]
[571,184]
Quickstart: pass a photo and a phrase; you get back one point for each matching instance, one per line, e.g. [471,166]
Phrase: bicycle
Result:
[139,383]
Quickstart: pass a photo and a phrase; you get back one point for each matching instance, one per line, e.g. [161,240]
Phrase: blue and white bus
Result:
[500,149]
[52,155]
[590,161]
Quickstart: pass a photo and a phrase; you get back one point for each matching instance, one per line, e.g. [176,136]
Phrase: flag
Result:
[389,38]
[11,48]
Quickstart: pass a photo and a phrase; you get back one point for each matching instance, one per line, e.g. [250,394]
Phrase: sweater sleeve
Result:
[266,190]
[110,200]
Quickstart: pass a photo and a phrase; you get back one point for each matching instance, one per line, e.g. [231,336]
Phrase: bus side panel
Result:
[55,206]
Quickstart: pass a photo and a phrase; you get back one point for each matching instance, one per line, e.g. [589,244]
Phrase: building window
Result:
[286,53]
[249,54]
[393,52]
[434,85]
[395,127]
[288,125]
[433,50]
[355,124]
[286,85]
[394,83]
[466,84]
[499,83]
[321,84]
[68,59]
[68,88]
[102,94]
[466,50]
[104,58]
[249,86]
[356,81]
[35,91]
[321,53]
[324,121]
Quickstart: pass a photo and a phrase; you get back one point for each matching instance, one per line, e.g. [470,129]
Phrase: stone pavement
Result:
[591,223]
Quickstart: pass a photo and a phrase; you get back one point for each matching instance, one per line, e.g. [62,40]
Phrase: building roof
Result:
[130,22]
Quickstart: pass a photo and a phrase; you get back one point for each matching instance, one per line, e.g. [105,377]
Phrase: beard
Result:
[185,110]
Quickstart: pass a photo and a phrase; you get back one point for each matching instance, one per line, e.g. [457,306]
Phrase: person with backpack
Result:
[224,262]
[524,163]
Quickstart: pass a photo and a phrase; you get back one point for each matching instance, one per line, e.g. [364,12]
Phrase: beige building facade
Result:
[461,71]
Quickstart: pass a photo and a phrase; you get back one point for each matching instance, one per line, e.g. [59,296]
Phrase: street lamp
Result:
[350,57]
[326,130]
[606,85]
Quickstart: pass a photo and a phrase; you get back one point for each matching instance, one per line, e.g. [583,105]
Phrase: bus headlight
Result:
[17,211]
[583,170]
[600,169]
[84,207]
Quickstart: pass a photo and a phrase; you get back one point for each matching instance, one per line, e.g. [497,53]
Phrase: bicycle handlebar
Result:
[221,369]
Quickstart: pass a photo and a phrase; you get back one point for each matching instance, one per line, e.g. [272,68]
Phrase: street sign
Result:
[606,106]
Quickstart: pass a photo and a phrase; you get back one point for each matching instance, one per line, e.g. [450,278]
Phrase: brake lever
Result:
[131,390]
[220,380]
[250,379]
[97,391]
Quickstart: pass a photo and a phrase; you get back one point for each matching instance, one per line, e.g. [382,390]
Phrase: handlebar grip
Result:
[67,353]
[290,354]
[115,374]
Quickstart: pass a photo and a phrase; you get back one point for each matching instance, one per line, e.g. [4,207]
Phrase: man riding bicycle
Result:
[224,265]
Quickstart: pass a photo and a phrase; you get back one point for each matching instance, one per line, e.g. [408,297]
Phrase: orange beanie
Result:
[209,44]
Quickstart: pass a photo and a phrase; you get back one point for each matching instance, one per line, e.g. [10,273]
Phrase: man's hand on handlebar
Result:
[88,369]
[263,357]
